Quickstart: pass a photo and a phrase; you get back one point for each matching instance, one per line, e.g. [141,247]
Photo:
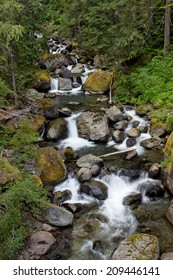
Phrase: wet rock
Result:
[118,136]
[8,172]
[56,129]
[138,247]
[130,142]
[40,243]
[95,188]
[135,124]
[98,81]
[154,171]
[64,84]
[45,107]
[89,160]
[95,169]
[167,256]
[98,247]
[152,189]
[57,216]
[54,61]
[143,128]
[65,73]
[131,173]
[121,125]
[84,174]
[131,155]
[114,114]
[93,126]
[132,199]
[50,166]
[153,142]
[169,214]
[61,196]
[133,132]
[78,69]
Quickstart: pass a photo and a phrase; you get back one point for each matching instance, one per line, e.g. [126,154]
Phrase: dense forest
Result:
[133,40]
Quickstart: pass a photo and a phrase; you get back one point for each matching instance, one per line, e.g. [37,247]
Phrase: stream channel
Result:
[100,225]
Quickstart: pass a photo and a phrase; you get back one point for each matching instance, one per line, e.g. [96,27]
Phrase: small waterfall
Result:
[54,85]
[73,140]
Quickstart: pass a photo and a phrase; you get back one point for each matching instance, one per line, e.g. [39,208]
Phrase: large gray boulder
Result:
[114,114]
[95,188]
[57,216]
[56,129]
[89,160]
[93,126]
[138,247]
[64,84]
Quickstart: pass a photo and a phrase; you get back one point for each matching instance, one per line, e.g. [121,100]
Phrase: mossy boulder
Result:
[56,129]
[50,166]
[167,171]
[138,247]
[98,82]
[36,123]
[46,107]
[43,81]
[8,172]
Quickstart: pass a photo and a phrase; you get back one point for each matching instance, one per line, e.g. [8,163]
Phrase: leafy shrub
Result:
[22,196]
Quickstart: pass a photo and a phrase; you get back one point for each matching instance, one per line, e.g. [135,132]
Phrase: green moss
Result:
[43,76]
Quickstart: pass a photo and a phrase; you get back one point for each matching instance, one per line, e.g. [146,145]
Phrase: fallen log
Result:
[118,152]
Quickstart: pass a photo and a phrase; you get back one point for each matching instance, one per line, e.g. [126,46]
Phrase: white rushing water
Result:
[143,136]
[73,140]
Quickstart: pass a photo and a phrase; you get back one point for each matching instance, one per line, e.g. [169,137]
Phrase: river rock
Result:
[114,114]
[61,196]
[118,136]
[93,126]
[133,132]
[153,142]
[56,129]
[131,173]
[158,131]
[135,124]
[132,199]
[40,242]
[64,84]
[57,216]
[95,188]
[84,174]
[167,256]
[154,170]
[46,107]
[131,154]
[8,172]
[78,69]
[95,169]
[121,125]
[138,247]
[54,61]
[130,142]
[169,213]
[64,72]
[152,189]
[89,160]
[50,166]
[43,81]
[98,81]
[143,128]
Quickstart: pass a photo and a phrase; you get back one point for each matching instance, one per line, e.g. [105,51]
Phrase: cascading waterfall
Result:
[54,85]
[73,140]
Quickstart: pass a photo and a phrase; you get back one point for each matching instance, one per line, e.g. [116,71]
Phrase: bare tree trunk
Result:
[13,79]
[167,29]
[149,12]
